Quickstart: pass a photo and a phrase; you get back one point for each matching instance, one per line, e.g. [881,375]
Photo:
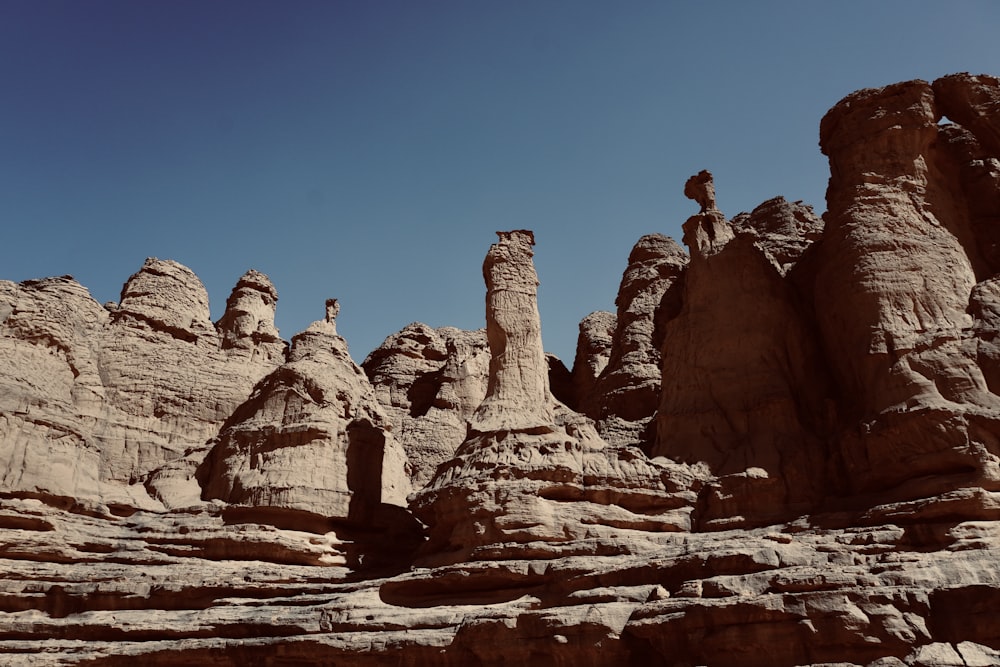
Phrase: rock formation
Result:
[743,381]
[897,264]
[593,351]
[310,439]
[429,382]
[532,475]
[626,393]
[819,484]
[95,400]
[781,229]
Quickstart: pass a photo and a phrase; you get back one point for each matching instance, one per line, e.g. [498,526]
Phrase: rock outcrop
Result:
[781,229]
[822,486]
[897,265]
[624,397]
[311,439]
[532,476]
[744,388]
[97,398]
[429,382]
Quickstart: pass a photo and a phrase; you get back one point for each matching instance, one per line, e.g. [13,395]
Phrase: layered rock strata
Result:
[532,476]
[824,490]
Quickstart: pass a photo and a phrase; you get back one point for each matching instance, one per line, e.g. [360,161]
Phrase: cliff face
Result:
[783,449]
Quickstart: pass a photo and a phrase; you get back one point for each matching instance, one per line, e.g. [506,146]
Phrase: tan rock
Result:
[743,382]
[546,543]
[517,397]
[311,439]
[99,397]
[531,471]
[429,382]
[629,387]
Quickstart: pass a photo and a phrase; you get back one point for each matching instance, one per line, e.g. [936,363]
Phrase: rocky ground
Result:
[782,449]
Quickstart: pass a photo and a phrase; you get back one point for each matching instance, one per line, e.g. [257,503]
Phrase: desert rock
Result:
[531,472]
[822,488]
[892,295]
[311,439]
[429,382]
[743,381]
[628,388]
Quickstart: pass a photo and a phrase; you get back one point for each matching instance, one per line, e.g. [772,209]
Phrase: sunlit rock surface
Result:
[794,459]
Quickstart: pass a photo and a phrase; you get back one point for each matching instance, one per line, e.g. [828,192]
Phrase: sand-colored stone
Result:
[824,491]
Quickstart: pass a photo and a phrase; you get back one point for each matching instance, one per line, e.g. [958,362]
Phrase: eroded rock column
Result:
[517,396]
[532,478]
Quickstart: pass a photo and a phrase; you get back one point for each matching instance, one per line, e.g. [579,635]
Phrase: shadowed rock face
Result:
[429,382]
[743,381]
[824,488]
[628,388]
[901,255]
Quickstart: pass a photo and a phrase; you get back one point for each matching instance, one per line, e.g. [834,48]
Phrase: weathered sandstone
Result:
[819,485]
[429,382]
[743,381]
[897,266]
[533,476]
[628,388]
[311,439]
[95,400]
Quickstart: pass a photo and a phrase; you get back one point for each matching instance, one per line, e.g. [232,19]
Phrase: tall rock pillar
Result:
[517,397]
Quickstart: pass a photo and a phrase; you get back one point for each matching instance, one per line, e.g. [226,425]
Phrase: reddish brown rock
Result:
[892,297]
[781,229]
[743,382]
[629,386]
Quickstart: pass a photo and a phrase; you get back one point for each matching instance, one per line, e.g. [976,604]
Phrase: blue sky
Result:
[369,150]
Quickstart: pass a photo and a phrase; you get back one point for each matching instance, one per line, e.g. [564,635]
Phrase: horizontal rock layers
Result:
[785,452]
[532,476]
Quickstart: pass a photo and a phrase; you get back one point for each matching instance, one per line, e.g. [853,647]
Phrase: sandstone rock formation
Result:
[429,382]
[623,398]
[593,351]
[533,476]
[781,229]
[897,264]
[823,487]
[94,400]
[743,381]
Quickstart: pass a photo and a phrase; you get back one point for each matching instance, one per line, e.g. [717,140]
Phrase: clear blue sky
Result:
[368,150]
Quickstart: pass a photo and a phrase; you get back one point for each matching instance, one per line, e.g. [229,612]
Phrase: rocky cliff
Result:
[782,449]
